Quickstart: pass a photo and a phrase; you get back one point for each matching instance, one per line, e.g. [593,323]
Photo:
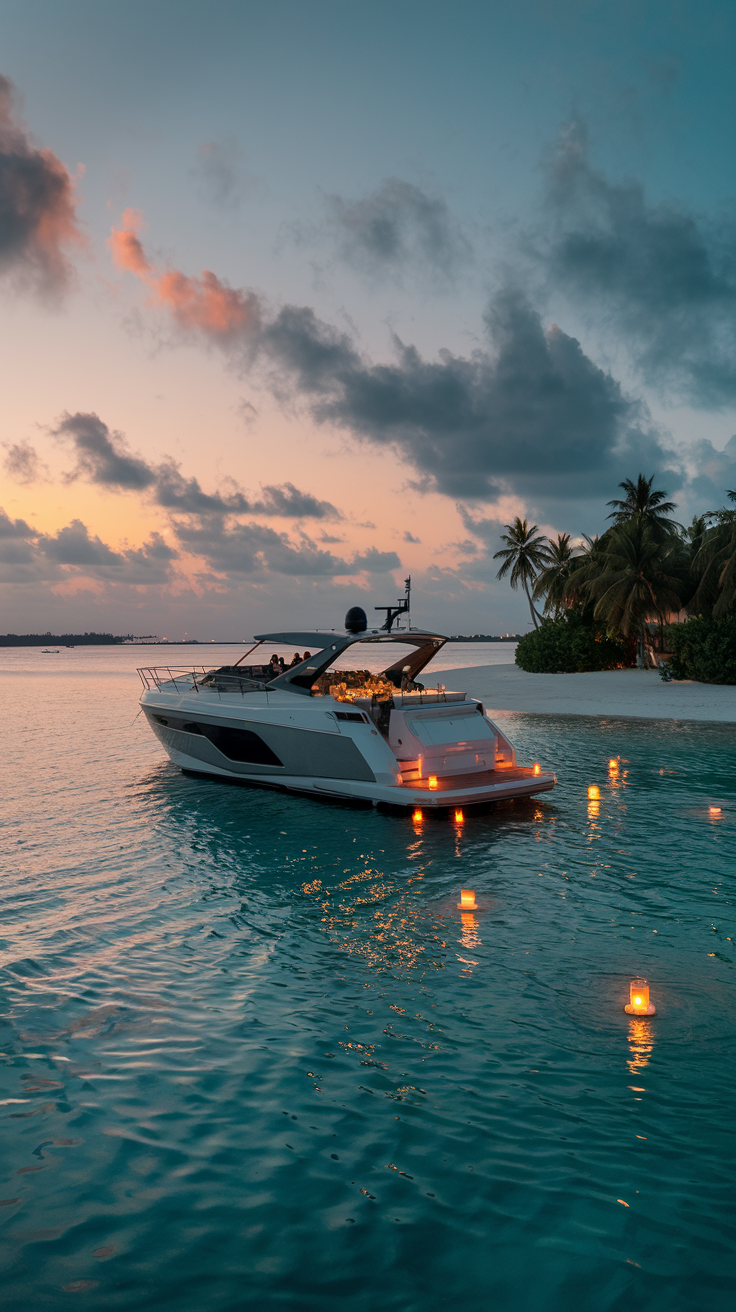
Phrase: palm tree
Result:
[638,575]
[525,555]
[715,564]
[552,580]
[640,500]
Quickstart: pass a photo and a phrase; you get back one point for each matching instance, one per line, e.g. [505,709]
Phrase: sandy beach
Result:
[640,694]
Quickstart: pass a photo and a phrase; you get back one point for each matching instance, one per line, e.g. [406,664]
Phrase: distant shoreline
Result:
[110,640]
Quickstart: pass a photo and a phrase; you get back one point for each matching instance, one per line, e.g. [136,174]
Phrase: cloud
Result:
[396,228]
[37,205]
[204,303]
[218,170]
[530,413]
[714,474]
[103,458]
[409,537]
[533,412]
[73,553]
[255,548]
[663,278]
[23,463]
[101,454]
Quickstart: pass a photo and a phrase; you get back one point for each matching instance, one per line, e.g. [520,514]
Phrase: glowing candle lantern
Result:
[639,1004]
[467,900]
[594,793]
[459,818]
[432,781]
[417,817]
[537,768]
[714,810]
[613,767]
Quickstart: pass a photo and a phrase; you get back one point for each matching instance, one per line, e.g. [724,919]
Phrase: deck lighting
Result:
[467,900]
[714,810]
[417,817]
[537,768]
[432,781]
[594,793]
[640,1004]
[459,818]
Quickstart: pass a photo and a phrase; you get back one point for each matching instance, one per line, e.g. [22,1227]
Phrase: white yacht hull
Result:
[317,748]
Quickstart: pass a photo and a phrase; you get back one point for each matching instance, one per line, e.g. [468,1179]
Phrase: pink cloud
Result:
[203,303]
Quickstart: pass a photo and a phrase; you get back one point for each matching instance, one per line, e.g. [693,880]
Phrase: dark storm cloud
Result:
[255,548]
[533,412]
[398,227]
[103,458]
[37,207]
[664,278]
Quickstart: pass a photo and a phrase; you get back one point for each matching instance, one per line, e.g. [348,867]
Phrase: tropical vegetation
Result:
[646,591]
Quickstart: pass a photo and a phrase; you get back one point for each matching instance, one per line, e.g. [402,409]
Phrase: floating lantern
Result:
[594,793]
[432,781]
[714,810]
[537,768]
[467,900]
[613,767]
[459,818]
[417,817]
[639,1004]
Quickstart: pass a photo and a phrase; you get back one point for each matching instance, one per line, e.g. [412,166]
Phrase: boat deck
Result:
[503,774]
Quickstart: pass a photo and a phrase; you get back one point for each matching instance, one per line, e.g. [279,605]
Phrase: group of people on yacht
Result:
[278,665]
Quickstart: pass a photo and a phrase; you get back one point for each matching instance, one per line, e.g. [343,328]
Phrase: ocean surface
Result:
[254,1057]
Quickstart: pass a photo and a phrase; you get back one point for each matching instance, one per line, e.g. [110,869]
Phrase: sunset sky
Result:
[303,296]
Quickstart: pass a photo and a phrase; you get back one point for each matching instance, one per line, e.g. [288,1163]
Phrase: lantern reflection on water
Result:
[639,1004]
[467,900]
[417,817]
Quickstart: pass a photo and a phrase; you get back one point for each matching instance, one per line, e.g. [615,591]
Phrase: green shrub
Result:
[703,649]
[570,645]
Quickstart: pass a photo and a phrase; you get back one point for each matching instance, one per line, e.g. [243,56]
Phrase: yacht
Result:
[327,728]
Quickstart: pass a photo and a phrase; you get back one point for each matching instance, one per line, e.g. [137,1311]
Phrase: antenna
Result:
[403,608]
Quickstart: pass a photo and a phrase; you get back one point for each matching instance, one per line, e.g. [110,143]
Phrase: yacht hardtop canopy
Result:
[301,677]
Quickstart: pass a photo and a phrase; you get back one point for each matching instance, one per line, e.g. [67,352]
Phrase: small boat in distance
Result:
[50,651]
[330,732]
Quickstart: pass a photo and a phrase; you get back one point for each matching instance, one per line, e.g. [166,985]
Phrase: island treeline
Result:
[646,591]
[61,639]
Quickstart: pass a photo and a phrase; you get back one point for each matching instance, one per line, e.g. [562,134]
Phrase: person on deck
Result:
[296,660]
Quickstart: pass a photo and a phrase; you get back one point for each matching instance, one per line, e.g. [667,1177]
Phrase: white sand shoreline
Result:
[637,694]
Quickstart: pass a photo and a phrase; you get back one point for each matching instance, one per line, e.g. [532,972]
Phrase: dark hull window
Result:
[236,744]
[240,745]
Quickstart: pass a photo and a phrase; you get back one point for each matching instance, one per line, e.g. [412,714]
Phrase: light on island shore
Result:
[639,1004]
[432,781]
[467,900]
[594,793]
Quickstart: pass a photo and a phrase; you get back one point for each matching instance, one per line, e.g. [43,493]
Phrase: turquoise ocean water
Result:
[253,1056]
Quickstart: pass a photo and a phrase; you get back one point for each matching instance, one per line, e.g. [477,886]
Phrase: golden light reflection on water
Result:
[641,1043]
[362,919]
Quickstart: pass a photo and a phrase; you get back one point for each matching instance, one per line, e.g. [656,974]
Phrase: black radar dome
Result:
[356,620]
